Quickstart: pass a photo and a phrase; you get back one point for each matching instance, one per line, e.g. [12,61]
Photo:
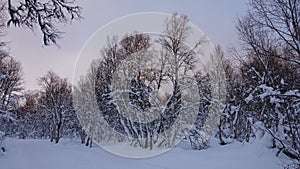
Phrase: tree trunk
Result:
[222,142]
[58,129]
[82,136]
[89,142]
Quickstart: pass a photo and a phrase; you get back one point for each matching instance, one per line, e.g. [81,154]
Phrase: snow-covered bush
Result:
[2,136]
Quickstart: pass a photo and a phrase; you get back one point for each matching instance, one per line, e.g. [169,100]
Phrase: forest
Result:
[262,78]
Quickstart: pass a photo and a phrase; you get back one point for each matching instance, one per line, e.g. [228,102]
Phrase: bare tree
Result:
[276,24]
[180,57]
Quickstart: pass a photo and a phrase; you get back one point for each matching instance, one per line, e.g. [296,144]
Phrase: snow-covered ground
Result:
[70,154]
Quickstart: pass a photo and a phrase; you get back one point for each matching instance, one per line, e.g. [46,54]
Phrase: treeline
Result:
[264,90]
[262,78]
[47,113]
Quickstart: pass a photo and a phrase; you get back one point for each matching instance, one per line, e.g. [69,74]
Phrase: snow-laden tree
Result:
[145,85]
[235,123]
[87,109]
[110,86]
[270,70]
[273,100]
[56,102]
[10,83]
[205,99]
[10,92]
[178,66]
[42,14]
[32,120]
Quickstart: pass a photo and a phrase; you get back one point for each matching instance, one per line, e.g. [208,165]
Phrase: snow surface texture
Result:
[70,154]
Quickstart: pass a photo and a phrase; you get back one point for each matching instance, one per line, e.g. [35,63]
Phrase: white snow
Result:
[70,154]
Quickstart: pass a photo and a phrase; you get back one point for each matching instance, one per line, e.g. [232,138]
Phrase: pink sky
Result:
[216,18]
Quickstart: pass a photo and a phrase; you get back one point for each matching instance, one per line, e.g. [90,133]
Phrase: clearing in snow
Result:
[70,154]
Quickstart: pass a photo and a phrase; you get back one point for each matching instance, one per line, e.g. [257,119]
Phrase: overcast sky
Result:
[216,18]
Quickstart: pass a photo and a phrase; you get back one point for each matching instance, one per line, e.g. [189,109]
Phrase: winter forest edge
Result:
[262,81]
